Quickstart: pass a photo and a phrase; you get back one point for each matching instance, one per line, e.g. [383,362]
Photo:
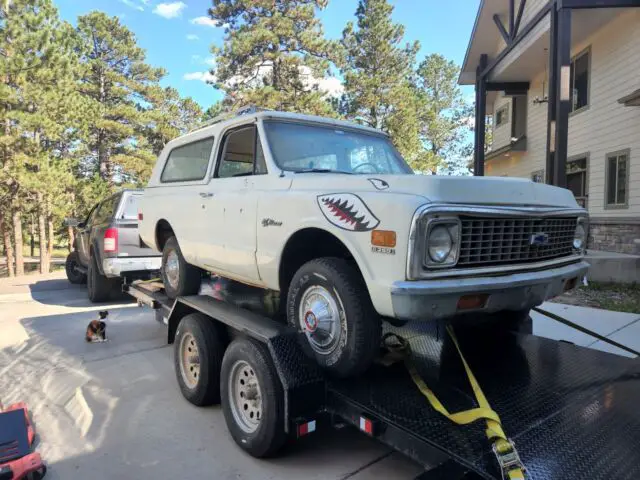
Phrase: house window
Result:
[502,115]
[538,176]
[577,178]
[580,80]
[617,179]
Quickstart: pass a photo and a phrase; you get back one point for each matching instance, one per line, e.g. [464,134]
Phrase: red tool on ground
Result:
[17,461]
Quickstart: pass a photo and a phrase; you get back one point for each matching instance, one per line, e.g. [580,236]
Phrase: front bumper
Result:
[114,267]
[438,298]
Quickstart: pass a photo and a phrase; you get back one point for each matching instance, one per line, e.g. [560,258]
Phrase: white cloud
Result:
[170,10]
[131,4]
[211,61]
[331,85]
[191,36]
[208,22]
[206,77]
[146,2]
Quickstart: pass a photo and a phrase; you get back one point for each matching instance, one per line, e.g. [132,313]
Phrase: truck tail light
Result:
[140,216]
[111,240]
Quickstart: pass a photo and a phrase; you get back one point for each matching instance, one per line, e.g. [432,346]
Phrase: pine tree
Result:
[377,71]
[273,54]
[116,80]
[444,115]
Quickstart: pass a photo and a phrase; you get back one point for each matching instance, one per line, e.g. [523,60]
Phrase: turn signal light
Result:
[383,238]
[472,302]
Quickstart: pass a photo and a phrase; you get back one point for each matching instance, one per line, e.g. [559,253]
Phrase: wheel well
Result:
[306,245]
[163,233]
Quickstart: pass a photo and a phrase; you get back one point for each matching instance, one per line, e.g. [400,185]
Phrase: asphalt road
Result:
[113,410]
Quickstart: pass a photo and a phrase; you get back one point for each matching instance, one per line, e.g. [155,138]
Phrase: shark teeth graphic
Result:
[347,211]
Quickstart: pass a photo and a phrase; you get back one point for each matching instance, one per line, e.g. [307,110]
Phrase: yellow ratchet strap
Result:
[504,449]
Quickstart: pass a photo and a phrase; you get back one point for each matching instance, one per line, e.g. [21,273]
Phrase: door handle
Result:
[206,194]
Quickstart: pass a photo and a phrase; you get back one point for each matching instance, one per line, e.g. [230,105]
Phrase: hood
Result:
[442,189]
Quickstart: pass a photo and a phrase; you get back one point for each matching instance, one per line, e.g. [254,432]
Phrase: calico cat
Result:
[97,329]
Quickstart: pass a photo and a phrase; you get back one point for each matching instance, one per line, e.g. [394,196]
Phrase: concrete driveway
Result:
[113,410]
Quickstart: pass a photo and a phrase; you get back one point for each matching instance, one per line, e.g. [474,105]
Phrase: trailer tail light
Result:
[366,425]
[306,428]
[111,240]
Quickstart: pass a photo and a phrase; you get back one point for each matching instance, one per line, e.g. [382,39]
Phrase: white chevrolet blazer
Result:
[329,214]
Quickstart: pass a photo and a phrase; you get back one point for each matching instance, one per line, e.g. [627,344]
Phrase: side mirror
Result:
[72,222]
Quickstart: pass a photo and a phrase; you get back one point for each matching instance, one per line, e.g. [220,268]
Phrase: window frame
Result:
[506,116]
[584,51]
[617,154]
[574,158]
[222,145]
[185,144]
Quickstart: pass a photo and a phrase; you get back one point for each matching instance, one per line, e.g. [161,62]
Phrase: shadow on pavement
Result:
[60,292]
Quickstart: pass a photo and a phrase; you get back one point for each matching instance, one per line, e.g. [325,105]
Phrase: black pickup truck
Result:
[107,247]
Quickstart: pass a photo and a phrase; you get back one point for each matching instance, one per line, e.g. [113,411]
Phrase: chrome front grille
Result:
[499,241]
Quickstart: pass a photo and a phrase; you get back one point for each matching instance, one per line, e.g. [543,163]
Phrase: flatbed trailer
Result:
[572,412]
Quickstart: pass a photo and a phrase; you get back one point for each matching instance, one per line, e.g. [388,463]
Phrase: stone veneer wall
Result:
[614,237]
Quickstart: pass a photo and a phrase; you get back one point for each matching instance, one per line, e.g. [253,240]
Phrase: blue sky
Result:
[176,36]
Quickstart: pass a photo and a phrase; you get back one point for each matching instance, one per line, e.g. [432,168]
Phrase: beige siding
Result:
[531,7]
[606,126]
[501,134]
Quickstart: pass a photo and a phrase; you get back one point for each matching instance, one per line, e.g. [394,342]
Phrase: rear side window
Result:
[107,209]
[188,162]
[130,208]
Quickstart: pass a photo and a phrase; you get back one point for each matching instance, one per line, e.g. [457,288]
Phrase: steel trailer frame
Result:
[569,410]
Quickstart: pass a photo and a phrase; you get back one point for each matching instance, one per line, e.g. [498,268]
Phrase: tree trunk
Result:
[8,247]
[32,233]
[72,237]
[17,236]
[42,236]
[51,236]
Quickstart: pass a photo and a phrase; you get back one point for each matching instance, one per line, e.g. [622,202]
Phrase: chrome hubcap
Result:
[319,319]
[172,268]
[245,396]
[189,360]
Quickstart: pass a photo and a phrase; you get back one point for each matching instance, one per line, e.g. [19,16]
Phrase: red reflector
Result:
[111,240]
[306,428]
[471,302]
[140,216]
[366,425]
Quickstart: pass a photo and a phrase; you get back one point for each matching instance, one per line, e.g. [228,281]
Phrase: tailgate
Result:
[129,241]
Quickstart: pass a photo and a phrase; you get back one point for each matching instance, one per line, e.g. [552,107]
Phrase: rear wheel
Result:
[329,303]
[252,398]
[73,275]
[179,277]
[99,287]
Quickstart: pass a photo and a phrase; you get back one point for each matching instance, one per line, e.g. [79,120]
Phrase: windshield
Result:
[301,147]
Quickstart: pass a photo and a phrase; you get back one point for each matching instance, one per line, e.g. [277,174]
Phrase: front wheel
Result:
[179,277]
[328,302]
[73,275]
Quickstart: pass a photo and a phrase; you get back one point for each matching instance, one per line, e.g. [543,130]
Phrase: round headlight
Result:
[579,237]
[440,244]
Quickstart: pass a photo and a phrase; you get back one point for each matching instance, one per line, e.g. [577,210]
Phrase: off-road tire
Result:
[269,437]
[189,277]
[360,325]
[73,275]
[99,287]
[210,342]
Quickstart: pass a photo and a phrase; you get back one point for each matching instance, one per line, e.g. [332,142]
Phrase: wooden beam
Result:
[513,87]
[511,18]
[551,99]
[501,29]
[563,96]
[480,113]
[597,3]
[516,26]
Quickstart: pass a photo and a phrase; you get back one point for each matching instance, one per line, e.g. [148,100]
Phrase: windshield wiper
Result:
[321,170]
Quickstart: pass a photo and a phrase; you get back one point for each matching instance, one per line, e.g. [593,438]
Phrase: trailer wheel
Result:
[252,398]
[73,275]
[197,355]
[99,287]
[329,303]
[179,277]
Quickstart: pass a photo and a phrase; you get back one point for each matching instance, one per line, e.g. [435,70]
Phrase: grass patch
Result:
[59,252]
[608,296]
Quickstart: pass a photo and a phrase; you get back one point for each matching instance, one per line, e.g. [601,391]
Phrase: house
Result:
[560,81]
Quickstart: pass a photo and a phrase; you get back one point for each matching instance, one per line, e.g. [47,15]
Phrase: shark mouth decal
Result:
[347,211]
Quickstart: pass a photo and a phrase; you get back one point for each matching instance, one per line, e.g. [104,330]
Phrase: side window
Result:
[188,162]
[92,216]
[242,154]
[107,209]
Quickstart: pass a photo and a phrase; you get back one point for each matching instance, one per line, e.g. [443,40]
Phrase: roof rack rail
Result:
[246,110]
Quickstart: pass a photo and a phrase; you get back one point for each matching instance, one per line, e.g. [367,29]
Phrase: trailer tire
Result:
[197,357]
[74,276]
[255,423]
[179,277]
[337,291]
[99,287]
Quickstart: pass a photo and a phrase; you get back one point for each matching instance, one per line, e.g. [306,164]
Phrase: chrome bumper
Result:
[114,267]
[438,299]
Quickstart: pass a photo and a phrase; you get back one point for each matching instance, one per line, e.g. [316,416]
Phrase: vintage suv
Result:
[329,214]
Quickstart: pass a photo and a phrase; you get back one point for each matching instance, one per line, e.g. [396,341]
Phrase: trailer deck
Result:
[571,411]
